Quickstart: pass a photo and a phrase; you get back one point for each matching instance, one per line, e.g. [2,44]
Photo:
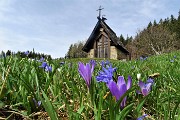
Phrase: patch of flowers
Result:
[117,89]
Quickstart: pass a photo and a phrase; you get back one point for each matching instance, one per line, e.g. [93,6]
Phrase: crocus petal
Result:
[122,90]
[48,68]
[148,86]
[123,103]
[121,81]
[81,70]
[43,65]
[129,82]
[88,68]
[41,60]
[114,89]
[85,72]
[150,80]
[93,64]
[39,103]
[141,84]
[144,91]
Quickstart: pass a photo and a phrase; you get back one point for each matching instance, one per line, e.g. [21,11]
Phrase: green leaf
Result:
[49,107]
[80,109]
[125,111]
[139,107]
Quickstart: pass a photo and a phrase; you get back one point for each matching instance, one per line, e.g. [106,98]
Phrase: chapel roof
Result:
[112,35]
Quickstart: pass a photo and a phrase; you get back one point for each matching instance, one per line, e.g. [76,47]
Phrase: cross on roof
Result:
[99,11]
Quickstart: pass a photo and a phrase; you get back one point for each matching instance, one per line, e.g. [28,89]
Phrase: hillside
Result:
[56,89]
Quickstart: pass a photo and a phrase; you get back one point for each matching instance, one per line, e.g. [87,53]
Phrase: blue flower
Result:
[143,58]
[36,103]
[106,75]
[46,66]
[26,53]
[41,60]
[142,117]
[150,80]
[43,65]
[104,63]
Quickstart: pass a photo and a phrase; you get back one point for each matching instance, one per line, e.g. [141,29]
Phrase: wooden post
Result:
[109,47]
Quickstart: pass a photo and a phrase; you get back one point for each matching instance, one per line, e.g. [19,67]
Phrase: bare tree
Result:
[155,40]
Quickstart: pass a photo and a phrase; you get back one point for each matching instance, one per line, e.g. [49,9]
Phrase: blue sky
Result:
[51,26]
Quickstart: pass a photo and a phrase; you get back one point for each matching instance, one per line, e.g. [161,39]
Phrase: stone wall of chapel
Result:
[113,52]
[91,53]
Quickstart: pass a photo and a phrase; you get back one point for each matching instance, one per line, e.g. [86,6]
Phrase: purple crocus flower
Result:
[41,59]
[48,68]
[43,65]
[145,87]
[106,75]
[86,72]
[142,117]
[143,58]
[93,64]
[150,80]
[36,103]
[26,53]
[119,89]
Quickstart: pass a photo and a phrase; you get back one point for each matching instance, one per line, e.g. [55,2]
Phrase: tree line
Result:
[75,50]
[23,54]
[157,38]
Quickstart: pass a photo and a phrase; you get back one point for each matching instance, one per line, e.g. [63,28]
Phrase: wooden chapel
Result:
[103,42]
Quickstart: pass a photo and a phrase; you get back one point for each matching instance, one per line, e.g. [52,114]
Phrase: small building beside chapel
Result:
[103,43]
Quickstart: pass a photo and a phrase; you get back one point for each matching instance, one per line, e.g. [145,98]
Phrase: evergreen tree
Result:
[8,53]
[155,23]
[121,39]
[75,51]
[161,21]
[179,15]
[149,25]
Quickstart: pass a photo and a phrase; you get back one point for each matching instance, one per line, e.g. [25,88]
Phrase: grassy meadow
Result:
[30,91]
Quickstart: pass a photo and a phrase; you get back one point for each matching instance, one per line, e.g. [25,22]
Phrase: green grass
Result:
[64,94]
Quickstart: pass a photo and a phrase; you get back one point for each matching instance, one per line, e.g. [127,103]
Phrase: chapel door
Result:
[102,47]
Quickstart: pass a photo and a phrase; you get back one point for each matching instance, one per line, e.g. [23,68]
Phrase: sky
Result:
[51,26]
